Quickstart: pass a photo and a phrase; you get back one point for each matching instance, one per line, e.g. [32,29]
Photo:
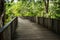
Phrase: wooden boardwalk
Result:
[27,30]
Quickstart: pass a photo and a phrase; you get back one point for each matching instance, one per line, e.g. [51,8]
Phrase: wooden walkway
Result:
[27,30]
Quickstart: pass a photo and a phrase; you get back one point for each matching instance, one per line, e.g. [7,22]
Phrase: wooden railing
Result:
[8,31]
[49,23]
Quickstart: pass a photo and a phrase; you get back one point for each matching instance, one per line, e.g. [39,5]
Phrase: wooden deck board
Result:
[30,31]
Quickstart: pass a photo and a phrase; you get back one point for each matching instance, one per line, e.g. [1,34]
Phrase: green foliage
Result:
[12,10]
[32,8]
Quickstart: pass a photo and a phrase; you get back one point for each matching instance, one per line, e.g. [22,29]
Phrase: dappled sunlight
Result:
[37,8]
[29,19]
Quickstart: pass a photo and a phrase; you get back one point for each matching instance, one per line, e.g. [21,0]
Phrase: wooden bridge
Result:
[26,30]
[23,29]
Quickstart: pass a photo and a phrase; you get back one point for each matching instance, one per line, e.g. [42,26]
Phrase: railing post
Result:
[13,27]
[11,31]
[16,22]
[1,36]
[7,32]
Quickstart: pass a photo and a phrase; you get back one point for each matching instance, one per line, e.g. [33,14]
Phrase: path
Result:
[31,31]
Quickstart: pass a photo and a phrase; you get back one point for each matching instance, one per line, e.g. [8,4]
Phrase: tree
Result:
[2,11]
[46,5]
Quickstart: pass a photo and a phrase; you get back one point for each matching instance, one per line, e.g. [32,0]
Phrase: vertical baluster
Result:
[8,32]
[11,31]
[1,36]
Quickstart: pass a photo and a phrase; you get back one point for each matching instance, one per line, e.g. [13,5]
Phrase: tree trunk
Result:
[2,7]
[46,5]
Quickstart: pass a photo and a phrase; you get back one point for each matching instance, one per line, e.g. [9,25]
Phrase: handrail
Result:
[4,27]
[7,31]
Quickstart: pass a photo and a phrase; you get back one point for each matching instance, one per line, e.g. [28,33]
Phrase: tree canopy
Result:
[39,8]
